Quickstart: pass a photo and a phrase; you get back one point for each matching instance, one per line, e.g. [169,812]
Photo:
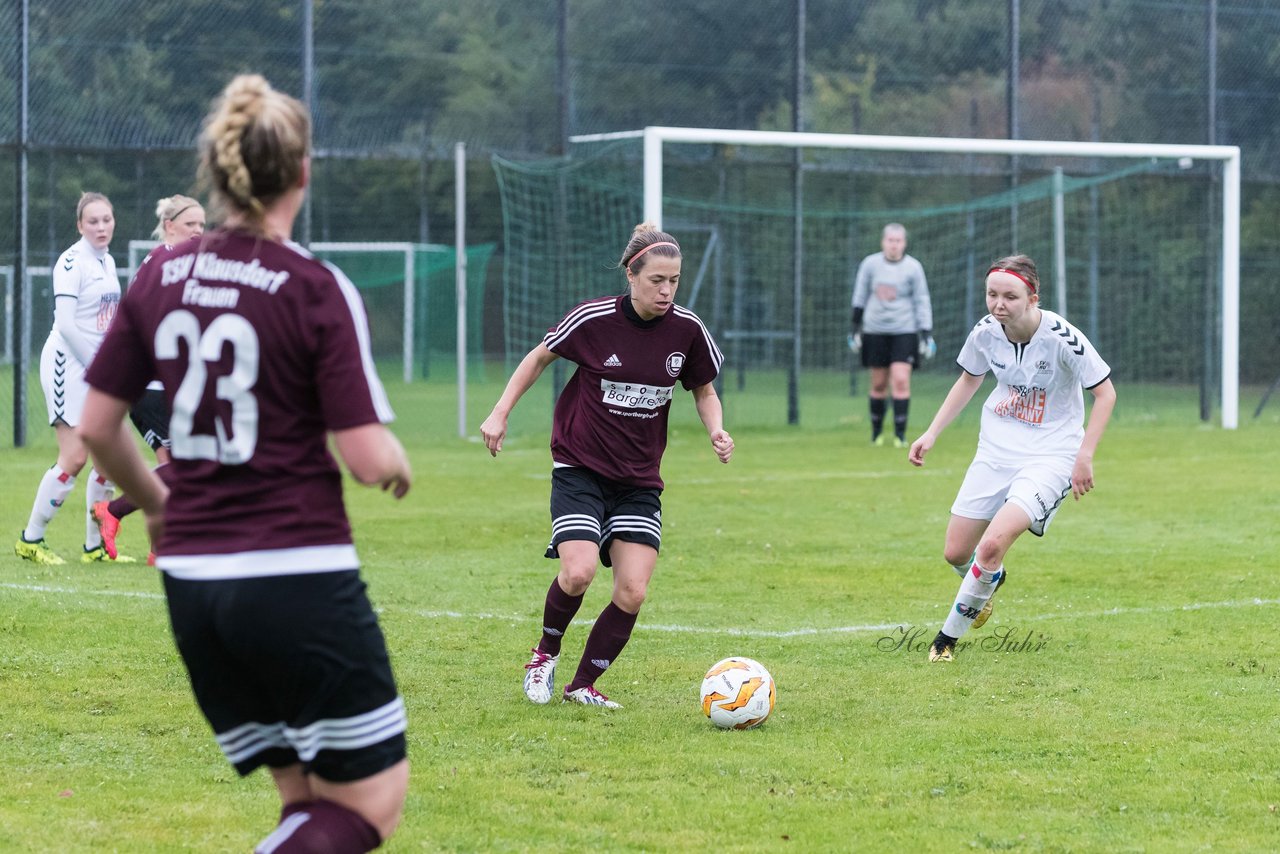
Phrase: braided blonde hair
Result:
[253,146]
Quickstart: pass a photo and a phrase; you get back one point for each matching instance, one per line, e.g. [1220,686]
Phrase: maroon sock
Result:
[320,827]
[556,616]
[608,636]
[123,506]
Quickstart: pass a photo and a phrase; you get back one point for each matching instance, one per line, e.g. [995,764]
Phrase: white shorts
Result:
[62,377]
[1037,486]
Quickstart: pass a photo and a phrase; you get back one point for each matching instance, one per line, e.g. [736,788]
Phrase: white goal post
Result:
[654,138]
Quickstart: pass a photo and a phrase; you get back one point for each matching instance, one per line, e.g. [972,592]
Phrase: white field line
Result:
[855,629]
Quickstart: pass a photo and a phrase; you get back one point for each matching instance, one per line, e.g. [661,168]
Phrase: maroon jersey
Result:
[612,415]
[262,350]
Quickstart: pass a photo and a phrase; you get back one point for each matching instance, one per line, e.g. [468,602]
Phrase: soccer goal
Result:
[410,294]
[1124,234]
[1138,243]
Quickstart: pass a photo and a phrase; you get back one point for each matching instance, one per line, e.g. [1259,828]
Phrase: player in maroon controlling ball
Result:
[608,435]
[264,355]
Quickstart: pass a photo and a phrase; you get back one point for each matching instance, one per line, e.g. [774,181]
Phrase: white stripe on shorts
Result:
[635,524]
[575,522]
[353,733]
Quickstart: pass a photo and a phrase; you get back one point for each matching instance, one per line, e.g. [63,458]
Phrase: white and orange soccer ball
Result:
[737,693]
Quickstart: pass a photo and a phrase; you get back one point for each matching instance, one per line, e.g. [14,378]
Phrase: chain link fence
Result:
[117,90]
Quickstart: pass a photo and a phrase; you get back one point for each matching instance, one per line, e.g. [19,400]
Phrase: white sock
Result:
[975,591]
[55,486]
[98,489]
[963,568]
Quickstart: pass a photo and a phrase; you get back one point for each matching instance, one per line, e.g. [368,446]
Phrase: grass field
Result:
[1122,698]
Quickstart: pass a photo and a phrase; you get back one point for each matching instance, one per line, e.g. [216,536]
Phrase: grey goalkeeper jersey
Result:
[893,294]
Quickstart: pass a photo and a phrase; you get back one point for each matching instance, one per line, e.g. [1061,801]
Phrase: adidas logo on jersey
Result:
[613,361]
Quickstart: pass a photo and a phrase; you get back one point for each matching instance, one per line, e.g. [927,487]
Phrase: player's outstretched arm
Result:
[1104,403]
[712,414]
[961,393]
[494,428]
[375,456]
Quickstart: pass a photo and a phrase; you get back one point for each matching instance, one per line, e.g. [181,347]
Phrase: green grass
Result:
[1141,718]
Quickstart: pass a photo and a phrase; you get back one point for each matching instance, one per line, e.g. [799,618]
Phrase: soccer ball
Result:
[737,693]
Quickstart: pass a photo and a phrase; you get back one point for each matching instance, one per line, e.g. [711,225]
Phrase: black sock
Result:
[900,406]
[877,416]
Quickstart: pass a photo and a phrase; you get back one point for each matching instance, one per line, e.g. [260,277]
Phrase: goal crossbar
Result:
[655,137]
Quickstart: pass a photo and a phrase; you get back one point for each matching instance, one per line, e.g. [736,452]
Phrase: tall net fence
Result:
[1141,249]
[117,90]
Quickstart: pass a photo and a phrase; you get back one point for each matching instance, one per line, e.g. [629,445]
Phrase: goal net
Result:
[1131,248]
[410,296]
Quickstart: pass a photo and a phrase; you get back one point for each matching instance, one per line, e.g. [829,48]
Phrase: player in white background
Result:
[86,293]
[1033,446]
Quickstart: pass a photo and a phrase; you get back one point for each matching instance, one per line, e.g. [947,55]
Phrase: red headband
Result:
[647,248]
[1013,273]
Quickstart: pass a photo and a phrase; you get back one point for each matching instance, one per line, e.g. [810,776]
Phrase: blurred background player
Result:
[86,293]
[179,218]
[1033,447]
[608,435]
[264,354]
[892,324]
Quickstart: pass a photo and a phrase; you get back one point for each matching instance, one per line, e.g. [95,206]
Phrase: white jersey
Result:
[1037,408]
[88,276]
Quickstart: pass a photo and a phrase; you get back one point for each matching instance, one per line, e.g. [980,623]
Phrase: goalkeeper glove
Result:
[855,342]
[928,349]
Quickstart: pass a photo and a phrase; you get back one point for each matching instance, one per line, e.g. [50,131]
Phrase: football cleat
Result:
[108,526]
[589,696]
[540,677]
[879,441]
[985,614]
[99,555]
[899,442]
[151,558]
[942,648]
[37,552]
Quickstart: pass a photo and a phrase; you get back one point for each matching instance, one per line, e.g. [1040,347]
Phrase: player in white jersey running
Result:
[1034,447]
[86,292]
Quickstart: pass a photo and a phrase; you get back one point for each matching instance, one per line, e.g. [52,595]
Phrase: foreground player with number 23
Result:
[1033,448]
[264,354]
[608,435]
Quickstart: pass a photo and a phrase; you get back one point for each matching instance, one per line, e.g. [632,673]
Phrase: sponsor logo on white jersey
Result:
[613,361]
[636,395]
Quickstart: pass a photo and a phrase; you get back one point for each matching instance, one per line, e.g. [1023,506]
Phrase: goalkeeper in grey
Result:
[892,327]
